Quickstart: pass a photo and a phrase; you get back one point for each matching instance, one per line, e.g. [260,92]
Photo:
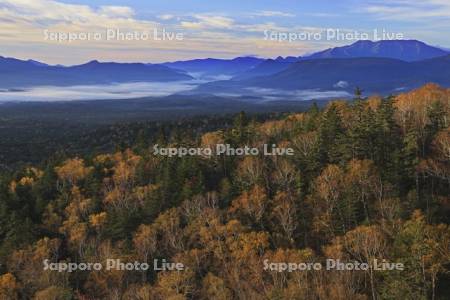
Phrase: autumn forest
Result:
[369,180]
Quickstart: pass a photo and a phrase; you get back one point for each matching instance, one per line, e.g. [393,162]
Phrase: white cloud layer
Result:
[98,92]
[207,21]
[272,13]
[409,10]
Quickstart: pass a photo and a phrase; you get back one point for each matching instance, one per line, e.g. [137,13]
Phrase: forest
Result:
[369,179]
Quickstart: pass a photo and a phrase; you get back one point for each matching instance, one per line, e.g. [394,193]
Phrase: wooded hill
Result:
[369,179]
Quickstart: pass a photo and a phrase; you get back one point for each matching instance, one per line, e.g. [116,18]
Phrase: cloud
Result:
[117,11]
[23,24]
[409,10]
[341,84]
[37,14]
[166,17]
[208,21]
[272,13]
[90,92]
[261,27]
[154,89]
[322,15]
[44,12]
[298,95]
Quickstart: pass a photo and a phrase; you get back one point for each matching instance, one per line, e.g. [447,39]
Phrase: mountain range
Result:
[407,50]
[374,75]
[16,74]
[378,67]
[215,67]
[383,66]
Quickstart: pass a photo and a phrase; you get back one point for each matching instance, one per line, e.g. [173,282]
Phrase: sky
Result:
[73,32]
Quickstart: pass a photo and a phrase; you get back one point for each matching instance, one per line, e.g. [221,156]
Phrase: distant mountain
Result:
[288,59]
[407,50]
[37,63]
[122,72]
[267,67]
[384,66]
[368,73]
[15,73]
[215,67]
[374,75]
[12,64]
[436,70]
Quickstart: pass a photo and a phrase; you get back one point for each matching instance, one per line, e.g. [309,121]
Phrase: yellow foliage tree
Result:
[72,171]
[8,287]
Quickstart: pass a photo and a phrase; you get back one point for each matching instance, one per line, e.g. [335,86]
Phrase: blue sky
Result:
[37,28]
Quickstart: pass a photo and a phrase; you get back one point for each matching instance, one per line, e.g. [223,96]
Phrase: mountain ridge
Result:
[407,50]
[15,73]
[375,75]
